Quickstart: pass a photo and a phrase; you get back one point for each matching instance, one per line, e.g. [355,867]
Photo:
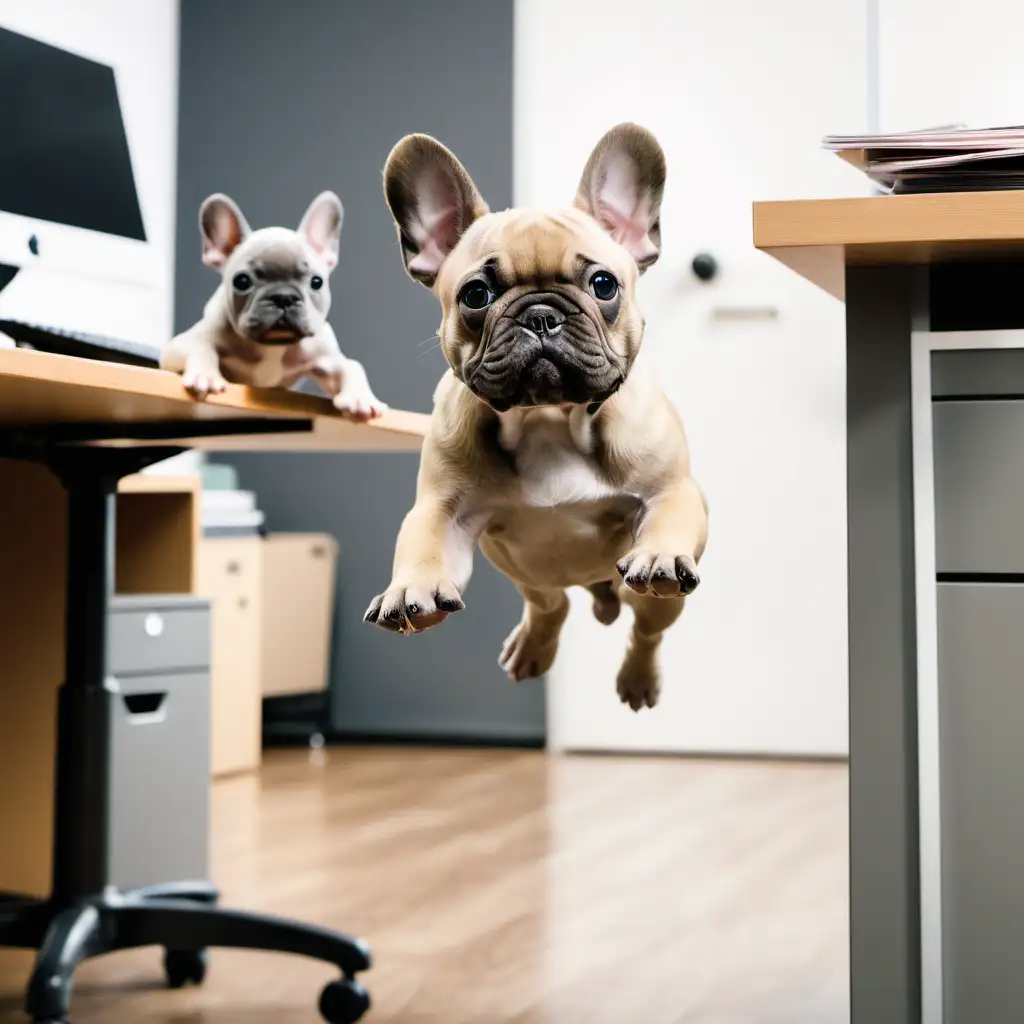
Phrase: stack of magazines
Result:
[952,158]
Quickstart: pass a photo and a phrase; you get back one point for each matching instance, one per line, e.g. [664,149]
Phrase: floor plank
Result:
[506,886]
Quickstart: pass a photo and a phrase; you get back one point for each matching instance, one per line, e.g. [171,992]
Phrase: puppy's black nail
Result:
[449,604]
[622,567]
[686,573]
[373,611]
[412,609]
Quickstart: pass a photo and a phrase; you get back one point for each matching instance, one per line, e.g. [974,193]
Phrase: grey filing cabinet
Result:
[978,420]
[159,659]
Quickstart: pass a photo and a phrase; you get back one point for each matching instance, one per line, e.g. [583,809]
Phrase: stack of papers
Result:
[952,158]
[230,514]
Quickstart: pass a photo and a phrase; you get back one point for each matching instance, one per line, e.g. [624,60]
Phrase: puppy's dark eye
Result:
[316,282]
[241,282]
[476,295]
[604,286]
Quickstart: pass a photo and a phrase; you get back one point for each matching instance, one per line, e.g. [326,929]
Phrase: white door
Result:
[739,92]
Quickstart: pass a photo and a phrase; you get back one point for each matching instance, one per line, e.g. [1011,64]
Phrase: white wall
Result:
[740,93]
[941,63]
[139,38]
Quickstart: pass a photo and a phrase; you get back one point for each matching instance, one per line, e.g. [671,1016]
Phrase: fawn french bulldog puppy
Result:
[551,443]
[266,324]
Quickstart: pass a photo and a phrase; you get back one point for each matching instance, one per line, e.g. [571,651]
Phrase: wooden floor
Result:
[513,887]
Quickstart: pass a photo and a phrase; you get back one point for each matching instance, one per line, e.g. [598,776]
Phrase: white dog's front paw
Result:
[201,383]
[359,405]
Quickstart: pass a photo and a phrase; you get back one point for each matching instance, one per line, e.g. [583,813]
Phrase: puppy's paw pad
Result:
[415,608]
[654,575]
[359,406]
[526,655]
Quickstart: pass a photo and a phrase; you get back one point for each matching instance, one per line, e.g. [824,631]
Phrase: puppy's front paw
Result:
[201,383]
[359,405]
[414,608]
[654,575]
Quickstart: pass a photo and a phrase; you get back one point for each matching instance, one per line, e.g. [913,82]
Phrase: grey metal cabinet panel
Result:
[979,486]
[981,685]
[154,634]
[160,779]
[982,373]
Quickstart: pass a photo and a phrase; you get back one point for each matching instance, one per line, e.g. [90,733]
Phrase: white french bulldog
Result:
[266,324]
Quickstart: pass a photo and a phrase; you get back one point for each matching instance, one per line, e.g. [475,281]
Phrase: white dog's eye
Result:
[241,282]
[316,282]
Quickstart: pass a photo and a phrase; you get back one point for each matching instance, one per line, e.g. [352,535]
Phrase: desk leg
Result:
[884,888]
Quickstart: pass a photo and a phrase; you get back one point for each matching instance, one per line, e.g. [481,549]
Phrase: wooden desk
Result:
[908,267]
[38,388]
[56,400]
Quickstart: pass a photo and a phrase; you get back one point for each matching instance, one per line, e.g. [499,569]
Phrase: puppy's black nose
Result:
[283,300]
[542,319]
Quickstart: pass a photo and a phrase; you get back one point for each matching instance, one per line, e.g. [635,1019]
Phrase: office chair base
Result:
[185,921]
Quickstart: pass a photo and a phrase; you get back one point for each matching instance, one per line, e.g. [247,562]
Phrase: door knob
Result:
[704,266]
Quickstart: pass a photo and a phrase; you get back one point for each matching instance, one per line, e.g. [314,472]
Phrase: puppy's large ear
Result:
[223,228]
[321,226]
[433,201]
[621,189]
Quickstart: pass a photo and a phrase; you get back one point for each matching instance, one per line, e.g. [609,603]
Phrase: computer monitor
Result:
[69,206]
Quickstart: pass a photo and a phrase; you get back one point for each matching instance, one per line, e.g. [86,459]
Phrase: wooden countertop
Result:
[41,388]
[818,238]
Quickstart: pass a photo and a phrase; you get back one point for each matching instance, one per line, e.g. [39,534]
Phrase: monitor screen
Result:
[63,150]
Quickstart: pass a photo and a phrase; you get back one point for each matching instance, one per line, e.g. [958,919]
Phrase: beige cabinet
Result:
[298,611]
[230,570]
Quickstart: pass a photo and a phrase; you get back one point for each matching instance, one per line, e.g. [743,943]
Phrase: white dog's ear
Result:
[223,228]
[621,189]
[321,226]
[433,201]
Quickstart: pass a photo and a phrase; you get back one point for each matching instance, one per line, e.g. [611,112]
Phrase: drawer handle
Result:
[153,624]
[318,551]
[234,568]
[145,705]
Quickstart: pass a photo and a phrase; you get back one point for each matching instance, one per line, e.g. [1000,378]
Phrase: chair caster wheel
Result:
[185,966]
[344,1002]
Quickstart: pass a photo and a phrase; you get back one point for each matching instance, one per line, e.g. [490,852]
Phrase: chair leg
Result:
[197,892]
[183,925]
[73,936]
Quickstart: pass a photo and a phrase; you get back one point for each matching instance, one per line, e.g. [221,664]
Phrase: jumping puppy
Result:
[551,443]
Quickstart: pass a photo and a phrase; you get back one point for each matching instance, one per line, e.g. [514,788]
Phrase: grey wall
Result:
[278,101]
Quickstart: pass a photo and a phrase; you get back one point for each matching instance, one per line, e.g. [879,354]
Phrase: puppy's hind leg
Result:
[531,647]
[607,604]
[639,681]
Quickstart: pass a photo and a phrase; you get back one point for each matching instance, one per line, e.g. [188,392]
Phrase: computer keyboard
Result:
[79,343]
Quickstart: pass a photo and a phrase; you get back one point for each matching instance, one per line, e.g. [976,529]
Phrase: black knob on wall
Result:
[704,266]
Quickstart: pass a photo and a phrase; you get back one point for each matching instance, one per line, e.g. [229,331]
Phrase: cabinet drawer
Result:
[979,486]
[157,634]
[981,714]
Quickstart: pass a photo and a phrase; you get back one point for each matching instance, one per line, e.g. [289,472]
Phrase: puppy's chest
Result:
[276,367]
[555,459]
